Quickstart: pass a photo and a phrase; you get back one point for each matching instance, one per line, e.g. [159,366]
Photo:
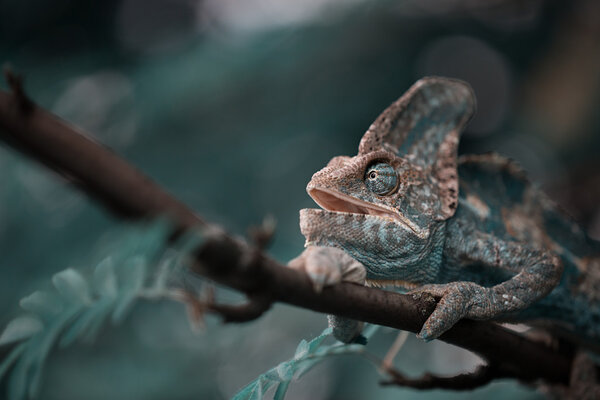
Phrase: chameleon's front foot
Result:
[457,300]
[327,266]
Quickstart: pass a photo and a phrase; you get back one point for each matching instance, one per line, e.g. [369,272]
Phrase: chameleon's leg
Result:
[327,266]
[536,271]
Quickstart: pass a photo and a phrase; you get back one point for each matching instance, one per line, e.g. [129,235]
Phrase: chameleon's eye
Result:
[381,178]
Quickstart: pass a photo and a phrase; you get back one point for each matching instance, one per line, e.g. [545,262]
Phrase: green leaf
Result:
[307,364]
[132,282]
[165,269]
[283,374]
[48,340]
[25,379]
[255,390]
[80,306]
[87,320]
[248,391]
[260,389]
[11,358]
[316,342]
[44,304]
[285,371]
[301,350]
[72,286]
[281,390]
[20,328]
[17,383]
[92,329]
[105,279]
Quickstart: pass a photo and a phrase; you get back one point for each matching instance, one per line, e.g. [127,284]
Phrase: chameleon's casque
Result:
[471,230]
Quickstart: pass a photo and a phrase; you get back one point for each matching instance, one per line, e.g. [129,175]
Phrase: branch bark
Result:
[483,375]
[230,261]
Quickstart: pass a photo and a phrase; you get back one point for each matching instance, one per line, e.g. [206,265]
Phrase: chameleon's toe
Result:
[318,280]
[455,303]
[439,322]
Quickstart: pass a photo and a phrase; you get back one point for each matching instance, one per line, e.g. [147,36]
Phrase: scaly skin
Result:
[473,231]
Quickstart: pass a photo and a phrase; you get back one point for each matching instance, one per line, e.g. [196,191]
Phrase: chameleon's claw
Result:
[443,318]
[318,280]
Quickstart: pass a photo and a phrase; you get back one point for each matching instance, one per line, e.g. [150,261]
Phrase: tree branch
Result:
[483,375]
[128,193]
[104,176]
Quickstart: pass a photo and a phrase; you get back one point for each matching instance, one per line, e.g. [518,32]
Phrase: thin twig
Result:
[262,235]
[388,360]
[15,82]
[251,310]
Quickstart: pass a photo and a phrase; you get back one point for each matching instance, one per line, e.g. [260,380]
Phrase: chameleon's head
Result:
[387,203]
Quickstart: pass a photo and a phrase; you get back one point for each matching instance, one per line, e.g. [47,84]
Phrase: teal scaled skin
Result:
[472,231]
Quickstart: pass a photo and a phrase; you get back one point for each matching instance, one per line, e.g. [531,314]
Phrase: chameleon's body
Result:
[472,230]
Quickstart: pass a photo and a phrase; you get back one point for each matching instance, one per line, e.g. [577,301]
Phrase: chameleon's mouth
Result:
[333,201]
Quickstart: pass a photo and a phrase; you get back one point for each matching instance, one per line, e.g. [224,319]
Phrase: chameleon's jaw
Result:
[336,202]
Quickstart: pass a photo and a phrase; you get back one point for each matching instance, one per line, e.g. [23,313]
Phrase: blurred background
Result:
[232,105]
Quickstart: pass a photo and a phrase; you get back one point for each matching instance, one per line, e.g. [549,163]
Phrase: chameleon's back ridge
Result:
[496,195]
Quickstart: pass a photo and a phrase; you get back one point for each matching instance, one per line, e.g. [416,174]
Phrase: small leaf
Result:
[307,364]
[244,393]
[72,286]
[254,390]
[248,391]
[316,342]
[164,272]
[89,319]
[17,383]
[281,390]
[285,372]
[44,304]
[105,279]
[11,358]
[272,374]
[48,340]
[101,314]
[259,389]
[20,328]
[301,350]
[132,282]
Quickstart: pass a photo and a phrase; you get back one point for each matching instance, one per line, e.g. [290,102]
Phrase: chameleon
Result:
[406,212]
